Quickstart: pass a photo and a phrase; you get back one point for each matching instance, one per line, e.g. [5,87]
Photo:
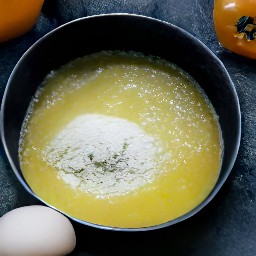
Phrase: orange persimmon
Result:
[18,17]
[235,26]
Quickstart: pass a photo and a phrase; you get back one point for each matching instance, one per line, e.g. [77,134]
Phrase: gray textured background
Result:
[227,226]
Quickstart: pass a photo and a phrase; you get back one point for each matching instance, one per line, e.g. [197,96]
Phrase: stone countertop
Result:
[227,225]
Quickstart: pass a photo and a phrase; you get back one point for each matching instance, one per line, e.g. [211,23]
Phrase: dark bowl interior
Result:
[122,32]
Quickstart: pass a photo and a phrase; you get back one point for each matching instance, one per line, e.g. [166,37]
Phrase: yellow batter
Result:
[122,140]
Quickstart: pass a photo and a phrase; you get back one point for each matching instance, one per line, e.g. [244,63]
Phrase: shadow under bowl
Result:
[121,32]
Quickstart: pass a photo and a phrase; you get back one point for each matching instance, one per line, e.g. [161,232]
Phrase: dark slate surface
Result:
[227,226]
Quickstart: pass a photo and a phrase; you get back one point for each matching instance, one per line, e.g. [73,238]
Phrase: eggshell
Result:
[36,230]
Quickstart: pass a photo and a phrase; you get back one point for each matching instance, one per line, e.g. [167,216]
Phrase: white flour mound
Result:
[103,155]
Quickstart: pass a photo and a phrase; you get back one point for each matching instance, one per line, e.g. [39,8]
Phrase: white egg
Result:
[36,230]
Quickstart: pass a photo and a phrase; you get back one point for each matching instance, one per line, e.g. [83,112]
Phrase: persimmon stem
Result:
[246,28]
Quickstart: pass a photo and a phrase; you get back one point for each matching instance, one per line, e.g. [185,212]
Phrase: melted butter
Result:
[155,95]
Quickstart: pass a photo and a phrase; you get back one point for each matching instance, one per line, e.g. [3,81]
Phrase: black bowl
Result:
[122,32]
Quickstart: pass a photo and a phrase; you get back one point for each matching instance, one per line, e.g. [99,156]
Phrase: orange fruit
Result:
[17,17]
[235,26]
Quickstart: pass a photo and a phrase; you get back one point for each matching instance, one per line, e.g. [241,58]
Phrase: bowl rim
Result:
[181,218]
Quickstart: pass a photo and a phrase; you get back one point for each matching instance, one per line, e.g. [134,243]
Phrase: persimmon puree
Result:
[122,140]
